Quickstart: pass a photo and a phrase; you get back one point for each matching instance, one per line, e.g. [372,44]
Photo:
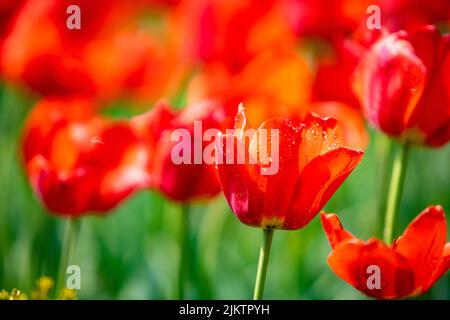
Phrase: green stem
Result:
[384,148]
[395,191]
[184,250]
[70,237]
[263,264]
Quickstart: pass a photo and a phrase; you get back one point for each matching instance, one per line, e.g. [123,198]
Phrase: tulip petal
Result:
[184,181]
[317,183]
[432,114]
[342,67]
[319,135]
[242,192]
[422,244]
[426,43]
[334,230]
[445,263]
[48,117]
[63,194]
[350,120]
[119,162]
[277,157]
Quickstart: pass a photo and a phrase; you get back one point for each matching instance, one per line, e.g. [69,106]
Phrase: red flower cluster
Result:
[307,71]
[79,162]
[40,51]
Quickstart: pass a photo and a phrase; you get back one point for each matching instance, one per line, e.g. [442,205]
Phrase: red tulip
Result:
[192,179]
[403,84]
[310,164]
[78,162]
[408,267]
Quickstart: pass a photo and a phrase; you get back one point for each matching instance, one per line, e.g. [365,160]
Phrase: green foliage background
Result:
[133,252]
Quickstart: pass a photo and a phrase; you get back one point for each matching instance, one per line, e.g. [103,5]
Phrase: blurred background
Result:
[170,49]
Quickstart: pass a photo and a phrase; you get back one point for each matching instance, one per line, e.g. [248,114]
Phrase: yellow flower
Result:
[17,295]
[67,294]
[43,286]
[4,295]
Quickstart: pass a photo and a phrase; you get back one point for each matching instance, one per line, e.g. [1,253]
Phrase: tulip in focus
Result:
[313,163]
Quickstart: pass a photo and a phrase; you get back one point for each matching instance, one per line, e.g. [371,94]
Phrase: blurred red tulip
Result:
[403,84]
[108,57]
[340,66]
[231,32]
[411,14]
[133,64]
[282,88]
[324,18]
[311,163]
[341,63]
[80,163]
[409,267]
[190,180]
